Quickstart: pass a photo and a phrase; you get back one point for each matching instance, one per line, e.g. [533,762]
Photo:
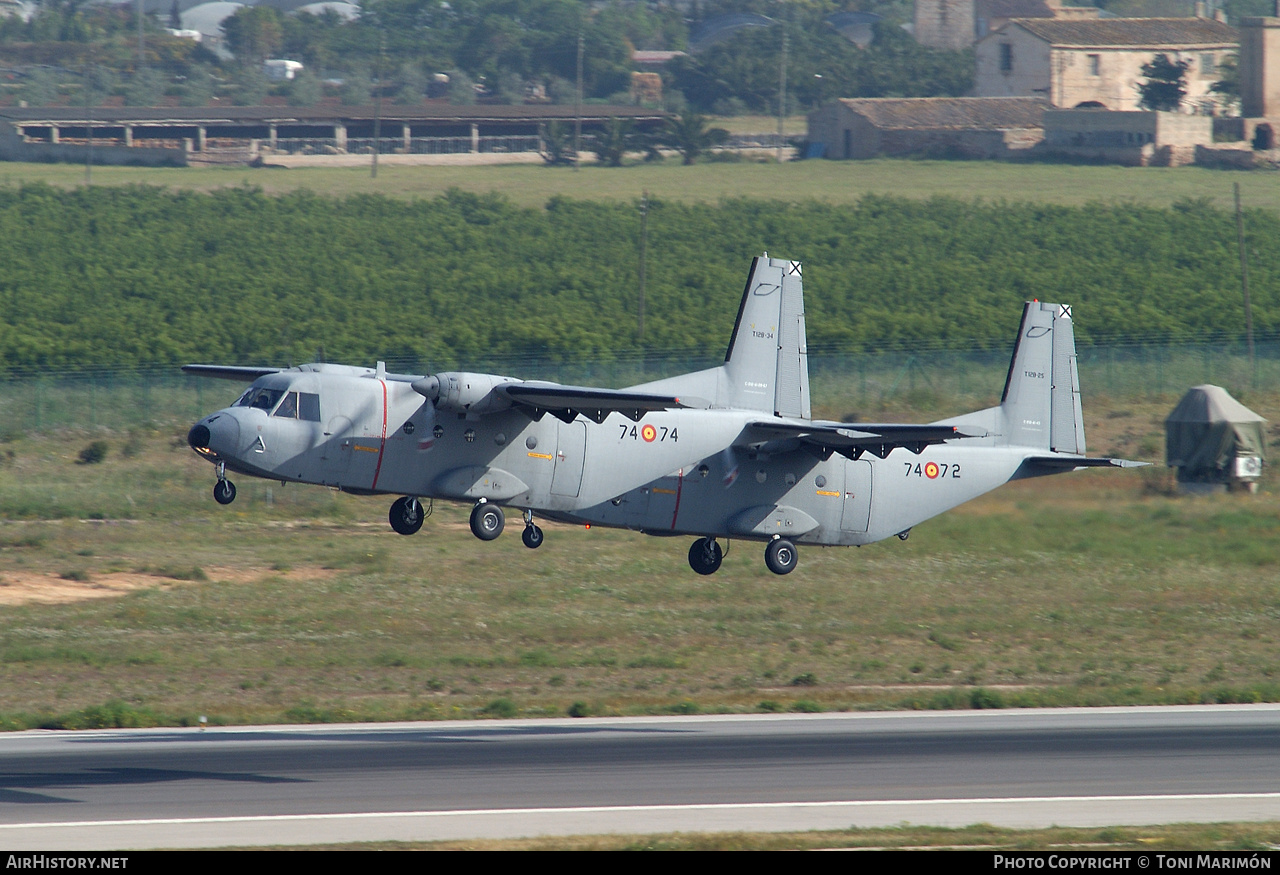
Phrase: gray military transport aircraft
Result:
[663,458]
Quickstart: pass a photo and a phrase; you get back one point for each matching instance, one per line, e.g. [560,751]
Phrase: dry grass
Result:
[300,604]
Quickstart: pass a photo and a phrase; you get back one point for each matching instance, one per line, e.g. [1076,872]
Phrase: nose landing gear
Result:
[532,535]
[224,491]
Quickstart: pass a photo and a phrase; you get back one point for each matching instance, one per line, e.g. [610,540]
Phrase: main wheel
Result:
[780,556]
[705,556]
[487,521]
[406,515]
[532,537]
[224,492]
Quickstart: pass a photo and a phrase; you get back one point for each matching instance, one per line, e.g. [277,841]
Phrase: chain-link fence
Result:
[842,383]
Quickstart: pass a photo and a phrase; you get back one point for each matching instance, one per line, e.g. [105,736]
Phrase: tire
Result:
[224,492]
[406,516]
[705,556]
[781,557]
[487,521]
[532,537]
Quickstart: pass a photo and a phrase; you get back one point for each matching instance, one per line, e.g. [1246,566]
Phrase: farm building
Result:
[965,127]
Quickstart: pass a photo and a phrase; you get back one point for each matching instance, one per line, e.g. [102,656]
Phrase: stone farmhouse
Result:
[944,127]
[1098,63]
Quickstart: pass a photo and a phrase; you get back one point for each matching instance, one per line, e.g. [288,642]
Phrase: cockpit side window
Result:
[288,408]
[261,398]
[309,406]
[299,405]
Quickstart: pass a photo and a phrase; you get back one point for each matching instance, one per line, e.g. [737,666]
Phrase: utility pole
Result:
[577,121]
[644,247]
[142,55]
[1244,284]
[782,91]
[377,105]
[88,120]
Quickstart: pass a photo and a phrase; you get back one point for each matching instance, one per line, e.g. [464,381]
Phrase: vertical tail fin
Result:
[1041,401]
[767,363]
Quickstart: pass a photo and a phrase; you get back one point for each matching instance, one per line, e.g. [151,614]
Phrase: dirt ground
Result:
[34,587]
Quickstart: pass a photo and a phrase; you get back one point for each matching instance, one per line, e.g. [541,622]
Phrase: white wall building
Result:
[1099,62]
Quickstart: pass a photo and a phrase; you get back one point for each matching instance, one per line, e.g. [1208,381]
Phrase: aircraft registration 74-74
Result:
[727,452]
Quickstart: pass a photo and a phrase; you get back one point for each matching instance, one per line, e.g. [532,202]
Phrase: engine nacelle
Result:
[464,392]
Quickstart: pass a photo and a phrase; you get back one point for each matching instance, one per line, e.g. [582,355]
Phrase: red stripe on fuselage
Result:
[679,489]
[382,444]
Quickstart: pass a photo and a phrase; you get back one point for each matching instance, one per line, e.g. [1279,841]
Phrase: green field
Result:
[827,181]
[299,604]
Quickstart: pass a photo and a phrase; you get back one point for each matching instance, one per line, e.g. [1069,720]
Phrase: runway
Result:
[122,789]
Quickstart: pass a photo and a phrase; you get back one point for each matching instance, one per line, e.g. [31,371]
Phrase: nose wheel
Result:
[406,515]
[705,556]
[780,556]
[532,535]
[224,491]
[487,520]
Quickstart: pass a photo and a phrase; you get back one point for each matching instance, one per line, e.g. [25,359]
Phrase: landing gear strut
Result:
[487,520]
[224,491]
[532,535]
[406,515]
[705,556]
[780,556]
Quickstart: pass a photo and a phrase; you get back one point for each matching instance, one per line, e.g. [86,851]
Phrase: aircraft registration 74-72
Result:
[727,452]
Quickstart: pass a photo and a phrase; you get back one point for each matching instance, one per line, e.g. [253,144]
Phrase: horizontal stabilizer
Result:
[1072,462]
[229,372]
[566,402]
[852,439]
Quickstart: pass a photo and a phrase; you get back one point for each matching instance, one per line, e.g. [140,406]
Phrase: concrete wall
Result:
[1082,127]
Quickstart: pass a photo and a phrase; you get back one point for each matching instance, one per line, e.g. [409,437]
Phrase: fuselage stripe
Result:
[679,489]
[382,442]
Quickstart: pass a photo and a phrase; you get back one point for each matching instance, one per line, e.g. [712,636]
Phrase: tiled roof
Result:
[1130,32]
[953,113]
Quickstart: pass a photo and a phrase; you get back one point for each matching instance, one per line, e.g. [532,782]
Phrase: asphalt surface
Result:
[291,785]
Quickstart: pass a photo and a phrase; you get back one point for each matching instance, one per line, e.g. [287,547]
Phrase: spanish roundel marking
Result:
[648,433]
[931,470]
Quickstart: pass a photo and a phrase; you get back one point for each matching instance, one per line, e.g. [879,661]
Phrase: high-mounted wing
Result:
[852,439]
[566,402]
[229,372]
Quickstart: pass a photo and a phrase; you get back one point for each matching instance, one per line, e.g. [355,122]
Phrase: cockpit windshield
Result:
[261,398]
[296,405]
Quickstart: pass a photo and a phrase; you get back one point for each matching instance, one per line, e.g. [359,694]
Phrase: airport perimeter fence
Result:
[843,383]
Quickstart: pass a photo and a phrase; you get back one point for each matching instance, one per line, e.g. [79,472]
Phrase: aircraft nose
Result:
[214,436]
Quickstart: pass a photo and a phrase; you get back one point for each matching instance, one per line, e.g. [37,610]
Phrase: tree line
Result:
[145,277]
[505,51]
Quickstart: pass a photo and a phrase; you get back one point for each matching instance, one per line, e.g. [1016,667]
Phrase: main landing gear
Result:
[487,520]
[705,556]
[780,556]
[406,515]
[224,491]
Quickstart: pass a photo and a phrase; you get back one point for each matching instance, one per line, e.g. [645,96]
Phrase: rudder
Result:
[1041,400]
